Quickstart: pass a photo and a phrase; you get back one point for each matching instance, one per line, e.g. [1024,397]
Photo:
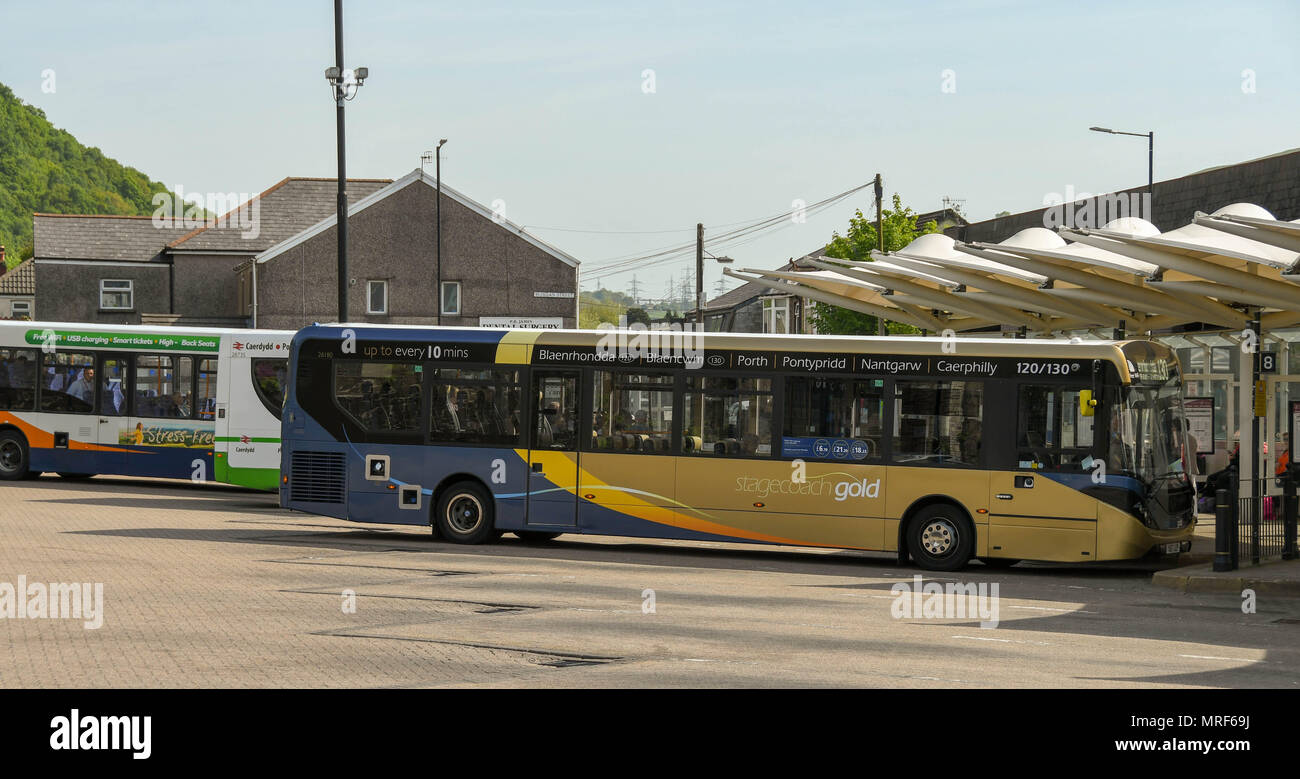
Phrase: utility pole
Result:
[880,238]
[879,187]
[699,272]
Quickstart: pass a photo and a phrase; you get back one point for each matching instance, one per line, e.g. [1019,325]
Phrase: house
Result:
[493,272]
[271,262]
[757,308]
[17,290]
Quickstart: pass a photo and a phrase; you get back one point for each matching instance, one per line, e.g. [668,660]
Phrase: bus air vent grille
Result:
[317,477]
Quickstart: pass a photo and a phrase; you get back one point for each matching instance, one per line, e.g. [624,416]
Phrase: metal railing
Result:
[1255,521]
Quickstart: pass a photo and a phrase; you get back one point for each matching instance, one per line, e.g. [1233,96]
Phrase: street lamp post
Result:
[344,85]
[1151,155]
[437,210]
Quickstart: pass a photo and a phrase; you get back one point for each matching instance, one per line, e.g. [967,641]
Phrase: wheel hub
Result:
[11,456]
[939,537]
[464,513]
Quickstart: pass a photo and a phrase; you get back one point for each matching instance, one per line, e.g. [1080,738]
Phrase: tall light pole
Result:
[1151,155]
[344,84]
[437,209]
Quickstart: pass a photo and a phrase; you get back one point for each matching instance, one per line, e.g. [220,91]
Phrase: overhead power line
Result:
[618,265]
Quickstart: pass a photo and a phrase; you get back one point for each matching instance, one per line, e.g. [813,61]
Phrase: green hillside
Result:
[43,168]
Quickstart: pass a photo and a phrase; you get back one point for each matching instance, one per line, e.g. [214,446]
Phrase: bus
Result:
[938,450]
[166,402]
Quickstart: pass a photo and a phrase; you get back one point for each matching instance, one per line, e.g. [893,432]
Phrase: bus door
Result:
[114,399]
[1038,509]
[553,450]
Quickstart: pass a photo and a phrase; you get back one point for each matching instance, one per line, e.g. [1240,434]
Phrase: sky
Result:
[609,129]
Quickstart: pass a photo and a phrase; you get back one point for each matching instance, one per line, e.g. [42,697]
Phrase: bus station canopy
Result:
[1217,271]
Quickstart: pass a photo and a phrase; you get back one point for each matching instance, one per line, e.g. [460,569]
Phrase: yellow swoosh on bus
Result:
[679,516]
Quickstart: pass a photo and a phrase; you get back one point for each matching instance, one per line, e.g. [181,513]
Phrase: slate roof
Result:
[358,204]
[941,216]
[748,291]
[87,237]
[283,211]
[1271,182]
[19,281]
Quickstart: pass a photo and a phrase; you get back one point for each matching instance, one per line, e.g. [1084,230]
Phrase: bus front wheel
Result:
[14,462]
[464,514]
[940,539]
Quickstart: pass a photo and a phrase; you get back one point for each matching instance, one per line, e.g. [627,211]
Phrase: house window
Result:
[116,294]
[450,298]
[377,297]
[20,308]
[776,315]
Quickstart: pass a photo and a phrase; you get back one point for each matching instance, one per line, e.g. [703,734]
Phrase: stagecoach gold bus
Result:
[938,450]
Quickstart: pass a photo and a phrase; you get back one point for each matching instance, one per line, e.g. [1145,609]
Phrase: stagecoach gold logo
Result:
[813,487]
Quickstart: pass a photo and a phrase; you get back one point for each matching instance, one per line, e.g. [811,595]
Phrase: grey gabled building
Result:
[492,270]
[271,262]
[103,269]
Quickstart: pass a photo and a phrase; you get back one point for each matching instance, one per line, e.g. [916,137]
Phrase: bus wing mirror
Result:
[1087,403]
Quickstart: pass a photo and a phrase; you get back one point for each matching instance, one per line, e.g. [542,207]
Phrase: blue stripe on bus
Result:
[1082,481]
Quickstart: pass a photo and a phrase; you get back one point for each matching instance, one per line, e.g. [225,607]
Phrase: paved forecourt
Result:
[210,586]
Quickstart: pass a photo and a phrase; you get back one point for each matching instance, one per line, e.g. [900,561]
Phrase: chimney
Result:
[3,268]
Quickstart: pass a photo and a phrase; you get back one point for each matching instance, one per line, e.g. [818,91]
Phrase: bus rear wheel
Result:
[939,538]
[464,514]
[536,536]
[14,462]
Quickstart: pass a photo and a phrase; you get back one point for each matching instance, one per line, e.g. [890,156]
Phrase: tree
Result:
[43,168]
[638,314]
[900,228]
[599,307]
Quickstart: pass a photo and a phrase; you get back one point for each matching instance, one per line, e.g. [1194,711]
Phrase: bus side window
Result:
[938,422]
[727,416]
[68,383]
[17,379]
[205,405]
[838,409]
[631,412]
[473,405]
[373,393]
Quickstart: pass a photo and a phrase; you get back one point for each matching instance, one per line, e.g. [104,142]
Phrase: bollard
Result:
[1289,510]
[1223,532]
